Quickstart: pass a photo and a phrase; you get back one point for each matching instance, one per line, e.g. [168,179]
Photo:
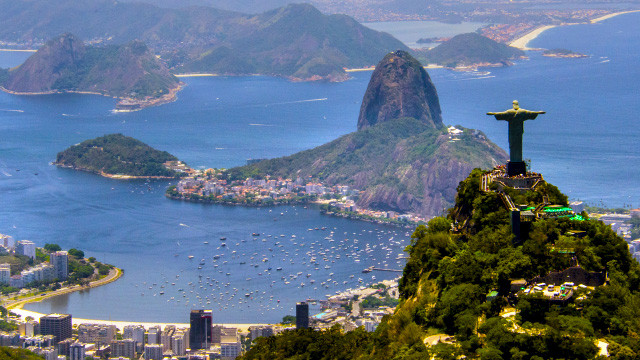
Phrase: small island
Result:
[130,73]
[563,53]
[120,157]
[470,51]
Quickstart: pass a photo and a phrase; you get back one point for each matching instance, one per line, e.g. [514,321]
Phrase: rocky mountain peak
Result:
[42,69]
[400,87]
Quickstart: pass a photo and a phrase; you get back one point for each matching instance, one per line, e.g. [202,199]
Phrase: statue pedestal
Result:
[516,168]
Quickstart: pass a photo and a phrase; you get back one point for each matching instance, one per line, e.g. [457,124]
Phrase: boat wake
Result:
[295,102]
[12,110]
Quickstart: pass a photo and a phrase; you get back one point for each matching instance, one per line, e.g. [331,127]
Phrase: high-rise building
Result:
[5,274]
[98,334]
[123,348]
[76,351]
[165,337]
[26,248]
[153,335]
[178,343]
[58,325]
[135,332]
[152,352]
[302,315]
[230,350]
[60,262]
[64,347]
[200,329]
[7,241]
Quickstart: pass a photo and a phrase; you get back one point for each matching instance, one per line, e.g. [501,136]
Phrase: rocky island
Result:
[471,51]
[563,53]
[131,73]
[120,157]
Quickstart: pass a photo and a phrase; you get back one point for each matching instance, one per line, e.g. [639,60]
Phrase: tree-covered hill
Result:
[449,274]
[117,154]
[66,64]
[470,49]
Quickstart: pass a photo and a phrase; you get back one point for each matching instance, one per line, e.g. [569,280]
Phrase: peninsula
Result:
[131,73]
[31,273]
[120,157]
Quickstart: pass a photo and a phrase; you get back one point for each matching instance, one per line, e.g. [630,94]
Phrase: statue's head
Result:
[515,105]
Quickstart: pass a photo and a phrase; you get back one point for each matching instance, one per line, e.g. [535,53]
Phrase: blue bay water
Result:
[586,144]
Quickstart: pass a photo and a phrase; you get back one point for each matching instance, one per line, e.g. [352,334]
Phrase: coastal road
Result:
[114,274]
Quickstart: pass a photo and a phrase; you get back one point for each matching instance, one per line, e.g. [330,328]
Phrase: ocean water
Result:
[586,144]
[409,32]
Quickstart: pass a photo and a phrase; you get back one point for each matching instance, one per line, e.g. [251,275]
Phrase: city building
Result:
[29,328]
[154,335]
[152,352]
[230,350]
[58,325]
[7,242]
[302,315]
[135,332]
[123,348]
[64,347]
[76,351]
[98,334]
[26,248]
[165,337]
[260,331]
[5,274]
[179,343]
[200,329]
[49,353]
[60,262]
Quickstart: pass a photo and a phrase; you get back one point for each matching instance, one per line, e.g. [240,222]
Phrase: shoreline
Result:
[522,41]
[171,96]
[121,324]
[18,50]
[112,176]
[113,275]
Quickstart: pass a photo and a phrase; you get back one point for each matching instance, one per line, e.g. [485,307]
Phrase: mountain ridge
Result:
[295,41]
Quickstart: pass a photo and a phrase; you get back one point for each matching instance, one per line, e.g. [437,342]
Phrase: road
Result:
[114,274]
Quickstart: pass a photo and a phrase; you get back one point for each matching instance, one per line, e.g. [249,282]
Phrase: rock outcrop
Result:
[400,87]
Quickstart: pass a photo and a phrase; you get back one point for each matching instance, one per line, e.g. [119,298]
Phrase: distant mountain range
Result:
[65,64]
[295,41]
[401,163]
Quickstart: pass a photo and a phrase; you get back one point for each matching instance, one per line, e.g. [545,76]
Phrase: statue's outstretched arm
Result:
[505,115]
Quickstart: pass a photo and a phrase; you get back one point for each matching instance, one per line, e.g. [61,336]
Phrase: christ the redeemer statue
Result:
[516,118]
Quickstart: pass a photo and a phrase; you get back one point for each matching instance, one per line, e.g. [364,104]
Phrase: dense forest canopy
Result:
[449,273]
[117,154]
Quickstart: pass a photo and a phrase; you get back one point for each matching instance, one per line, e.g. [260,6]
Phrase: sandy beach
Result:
[121,324]
[193,75]
[18,50]
[609,16]
[521,42]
